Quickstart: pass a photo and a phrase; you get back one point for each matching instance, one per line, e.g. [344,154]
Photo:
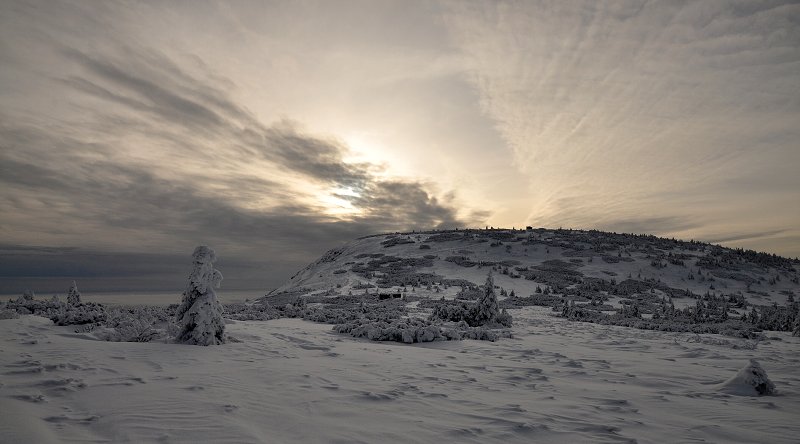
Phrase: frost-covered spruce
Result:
[73,295]
[488,307]
[200,314]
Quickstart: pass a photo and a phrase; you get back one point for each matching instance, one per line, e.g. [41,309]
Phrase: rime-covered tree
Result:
[796,326]
[200,314]
[73,295]
[488,307]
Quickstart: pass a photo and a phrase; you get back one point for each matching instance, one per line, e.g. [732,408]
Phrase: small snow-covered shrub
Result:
[135,324]
[463,261]
[485,334]
[89,313]
[85,328]
[391,242]
[331,315]
[200,313]
[536,299]
[133,330]
[751,380]
[9,314]
[413,330]
[26,304]
[401,330]
[504,318]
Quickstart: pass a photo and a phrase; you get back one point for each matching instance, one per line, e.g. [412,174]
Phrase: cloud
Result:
[609,107]
[166,160]
[258,130]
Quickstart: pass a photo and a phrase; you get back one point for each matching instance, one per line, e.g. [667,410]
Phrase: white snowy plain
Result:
[289,380]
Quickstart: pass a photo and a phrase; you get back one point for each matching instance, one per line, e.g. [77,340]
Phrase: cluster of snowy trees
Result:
[197,320]
[71,312]
[775,317]
[484,312]
[411,330]
[710,314]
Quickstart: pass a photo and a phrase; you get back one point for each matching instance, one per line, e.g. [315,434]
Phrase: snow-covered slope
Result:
[290,381]
[436,264]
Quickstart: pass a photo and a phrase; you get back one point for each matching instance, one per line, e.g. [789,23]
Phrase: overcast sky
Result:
[132,131]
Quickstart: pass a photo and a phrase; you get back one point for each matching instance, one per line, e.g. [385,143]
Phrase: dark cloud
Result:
[316,158]
[192,105]
[73,180]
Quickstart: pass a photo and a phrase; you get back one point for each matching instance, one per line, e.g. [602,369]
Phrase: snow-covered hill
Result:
[550,380]
[571,263]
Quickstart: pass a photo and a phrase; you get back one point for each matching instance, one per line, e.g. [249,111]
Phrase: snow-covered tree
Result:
[73,295]
[200,314]
[488,307]
[28,295]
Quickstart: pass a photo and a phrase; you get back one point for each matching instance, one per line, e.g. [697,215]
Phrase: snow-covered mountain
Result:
[572,263]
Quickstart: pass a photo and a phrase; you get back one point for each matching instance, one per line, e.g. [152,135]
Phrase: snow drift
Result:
[751,380]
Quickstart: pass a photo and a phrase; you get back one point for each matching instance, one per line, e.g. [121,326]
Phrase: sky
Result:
[131,132]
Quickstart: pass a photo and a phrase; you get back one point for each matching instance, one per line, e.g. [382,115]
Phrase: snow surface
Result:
[289,380]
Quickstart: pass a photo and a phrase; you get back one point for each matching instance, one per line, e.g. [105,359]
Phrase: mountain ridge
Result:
[563,261]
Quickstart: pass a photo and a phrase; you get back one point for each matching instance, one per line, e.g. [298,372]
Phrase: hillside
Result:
[579,265]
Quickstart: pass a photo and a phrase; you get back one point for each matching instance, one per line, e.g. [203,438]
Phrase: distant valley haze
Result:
[130,132]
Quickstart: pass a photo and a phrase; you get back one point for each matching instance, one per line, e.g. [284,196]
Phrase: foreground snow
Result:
[294,381]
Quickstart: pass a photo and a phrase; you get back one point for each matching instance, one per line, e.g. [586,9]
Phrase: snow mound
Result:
[751,380]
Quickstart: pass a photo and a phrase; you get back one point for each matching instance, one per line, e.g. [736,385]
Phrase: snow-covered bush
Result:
[9,314]
[73,295]
[200,313]
[401,330]
[411,330]
[136,324]
[132,330]
[485,312]
[26,304]
[504,318]
[331,315]
[484,334]
[751,380]
[89,313]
